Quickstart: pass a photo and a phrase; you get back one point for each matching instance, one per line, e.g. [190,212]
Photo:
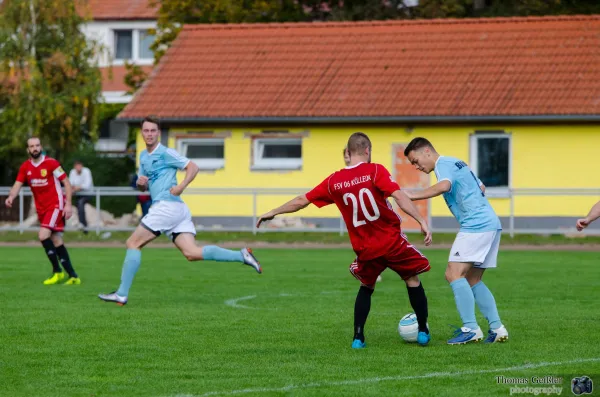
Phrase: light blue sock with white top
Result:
[214,253]
[133,258]
[465,302]
[487,304]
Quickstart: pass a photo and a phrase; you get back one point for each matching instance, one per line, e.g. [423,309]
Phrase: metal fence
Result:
[256,193]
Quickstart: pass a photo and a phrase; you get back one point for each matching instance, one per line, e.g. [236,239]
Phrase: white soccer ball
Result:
[408,328]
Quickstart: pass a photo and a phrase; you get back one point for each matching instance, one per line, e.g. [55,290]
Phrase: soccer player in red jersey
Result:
[360,191]
[44,176]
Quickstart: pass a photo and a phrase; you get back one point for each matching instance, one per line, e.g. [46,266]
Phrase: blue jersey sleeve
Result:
[175,160]
[445,171]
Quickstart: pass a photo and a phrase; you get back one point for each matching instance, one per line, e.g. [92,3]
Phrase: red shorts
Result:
[53,219]
[404,259]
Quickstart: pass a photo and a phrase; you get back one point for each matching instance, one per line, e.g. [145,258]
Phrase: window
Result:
[208,154]
[491,159]
[277,153]
[133,45]
[123,44]
[146,40]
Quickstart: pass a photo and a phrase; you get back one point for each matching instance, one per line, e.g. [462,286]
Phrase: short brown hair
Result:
[358,142]
[151,119]
[416,144]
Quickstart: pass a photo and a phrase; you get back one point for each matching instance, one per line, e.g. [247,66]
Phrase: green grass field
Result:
[220,329]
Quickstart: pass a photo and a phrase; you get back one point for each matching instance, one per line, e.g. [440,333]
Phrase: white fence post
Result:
[21,211]
[98,212]
[512,213]
[254,215]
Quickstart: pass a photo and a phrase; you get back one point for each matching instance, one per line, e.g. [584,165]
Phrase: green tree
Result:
[52,86]
[173,14]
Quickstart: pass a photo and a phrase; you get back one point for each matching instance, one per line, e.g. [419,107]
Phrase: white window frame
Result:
[135,48]
[493,191]
[260,163]
[203,164]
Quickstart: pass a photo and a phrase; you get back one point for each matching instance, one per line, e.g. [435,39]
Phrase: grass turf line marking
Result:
[387,378]
[234,302]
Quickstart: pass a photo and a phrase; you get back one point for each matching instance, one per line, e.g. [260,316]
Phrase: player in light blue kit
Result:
[168,213]
[476,245]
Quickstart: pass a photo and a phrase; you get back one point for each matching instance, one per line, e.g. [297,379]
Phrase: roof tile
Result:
[469,67]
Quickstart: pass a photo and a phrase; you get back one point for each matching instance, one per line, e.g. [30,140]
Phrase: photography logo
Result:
[582,385]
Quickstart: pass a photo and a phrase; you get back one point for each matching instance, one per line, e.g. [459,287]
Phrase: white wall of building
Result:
[104,33]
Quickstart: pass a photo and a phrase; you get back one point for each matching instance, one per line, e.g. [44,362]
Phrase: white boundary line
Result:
[388,378]
[234,302]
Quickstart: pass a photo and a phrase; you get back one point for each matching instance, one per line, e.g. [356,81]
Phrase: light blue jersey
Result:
[161,167]
[465,199]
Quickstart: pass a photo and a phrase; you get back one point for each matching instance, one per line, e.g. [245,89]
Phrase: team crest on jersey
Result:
[43,173]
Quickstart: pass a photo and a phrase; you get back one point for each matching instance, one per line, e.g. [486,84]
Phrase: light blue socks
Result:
[214,253]
[465,302]
[487,304]
[130,267]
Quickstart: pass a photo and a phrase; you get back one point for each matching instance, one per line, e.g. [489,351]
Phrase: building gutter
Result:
[537,119]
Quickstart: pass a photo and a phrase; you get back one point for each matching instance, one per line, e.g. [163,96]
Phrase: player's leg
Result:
[186,243]
[44,235]
[183,235]
[468,249]
[65,260]
[49,220]
[484,297]
[81,201]
[408,262]
[366,273]
[138,239]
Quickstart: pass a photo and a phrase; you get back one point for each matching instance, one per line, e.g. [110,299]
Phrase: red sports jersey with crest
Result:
[360,192]
[44,180]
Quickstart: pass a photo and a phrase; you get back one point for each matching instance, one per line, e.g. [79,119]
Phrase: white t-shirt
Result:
[83,180]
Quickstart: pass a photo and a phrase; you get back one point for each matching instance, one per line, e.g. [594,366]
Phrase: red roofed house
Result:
[272,105]
[122,28]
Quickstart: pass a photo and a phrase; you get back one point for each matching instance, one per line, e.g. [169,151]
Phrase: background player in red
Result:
[44,176]
[360,192]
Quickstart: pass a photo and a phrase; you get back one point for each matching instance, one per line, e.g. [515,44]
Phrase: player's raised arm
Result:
[174,159]
[432,191]
[406,205]
[295,204]
[191,170]
[591,217]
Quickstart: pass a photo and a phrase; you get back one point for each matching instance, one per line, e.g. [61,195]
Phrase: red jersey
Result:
[44,180]
[360,192]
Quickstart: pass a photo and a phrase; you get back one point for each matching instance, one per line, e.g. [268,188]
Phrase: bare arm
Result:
[68,190]
[142,183]
[69,194]
[432,191]
[14,191]
[407,206]
[191,170]
[293,205]
[591,217]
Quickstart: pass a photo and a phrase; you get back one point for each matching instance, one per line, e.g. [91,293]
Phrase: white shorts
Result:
[169,217]
[481,249]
